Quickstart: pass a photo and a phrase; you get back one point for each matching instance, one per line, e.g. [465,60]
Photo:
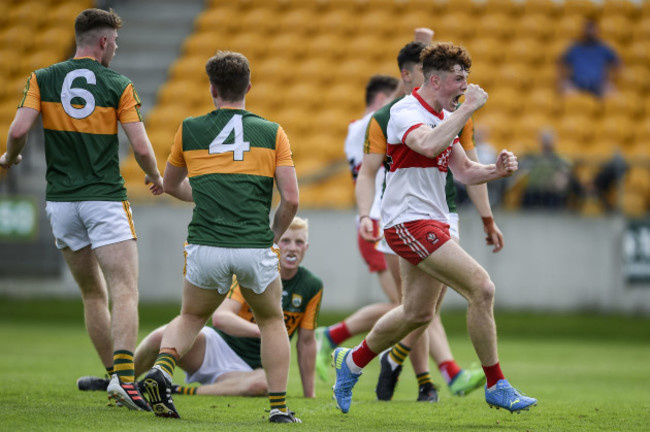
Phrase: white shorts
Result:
[77,224]
[382,245]
[211,267]
[218,359]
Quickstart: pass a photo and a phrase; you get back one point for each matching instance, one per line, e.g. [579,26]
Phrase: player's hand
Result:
[494,235]
[367,230]
[475,96]
[424,35]
[155,184]
[5,163]
[507,163]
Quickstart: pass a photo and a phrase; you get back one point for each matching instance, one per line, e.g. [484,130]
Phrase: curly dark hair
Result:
[444,56]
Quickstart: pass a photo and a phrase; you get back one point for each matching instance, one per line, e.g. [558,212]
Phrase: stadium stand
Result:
[311,58]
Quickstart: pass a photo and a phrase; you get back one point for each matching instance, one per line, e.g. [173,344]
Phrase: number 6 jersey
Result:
[231,156]
[81,102]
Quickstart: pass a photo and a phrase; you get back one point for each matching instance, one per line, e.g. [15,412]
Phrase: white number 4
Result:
[238,147]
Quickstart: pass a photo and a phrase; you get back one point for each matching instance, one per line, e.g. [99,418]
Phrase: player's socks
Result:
[123,366]
[338,333]
[278,401]
[493,374]
[398,354]
[449,370]
[184,390]
[424,378]
[166,361]
[361,355]
[110,371]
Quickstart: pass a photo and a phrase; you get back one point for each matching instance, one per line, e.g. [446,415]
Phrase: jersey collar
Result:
[426,106]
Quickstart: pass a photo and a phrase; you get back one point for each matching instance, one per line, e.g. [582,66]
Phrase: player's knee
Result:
[415,318]
[484,291]
[256,387]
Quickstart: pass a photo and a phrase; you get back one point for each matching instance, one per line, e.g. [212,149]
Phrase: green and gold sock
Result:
[278,401]
[185,390]
[398,353]
[424,378]
[123,365]
[166,360]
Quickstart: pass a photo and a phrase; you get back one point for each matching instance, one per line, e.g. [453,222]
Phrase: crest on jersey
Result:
[432,238]
[296,300]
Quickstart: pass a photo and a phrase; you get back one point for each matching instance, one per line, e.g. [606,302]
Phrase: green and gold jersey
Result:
[231,156]
[301,298]
[81,102]
[376,143]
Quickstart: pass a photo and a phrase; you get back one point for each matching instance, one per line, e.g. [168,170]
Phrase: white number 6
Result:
[238,147]
[68,93]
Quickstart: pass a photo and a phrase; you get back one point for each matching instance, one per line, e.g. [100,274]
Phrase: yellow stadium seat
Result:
[505,99]
[618,128]
[346,97]
[616,28]
[527,49]
[508,7]
[636,52]
[456,26]
[634,204]
[204,44]
[375,22]
[190,67]
[266,95]
[326,45]
[580,103]
[542,100]
[634,78]
[184,92]
[315,69]
[486,49]
[337,21]
[538,26]
[261,19]
[28,11]
[275,69]
[307,93]
[253,45]
[302,21]
[576,127]
[517,75]
[547,7]
[365,46]
[355,72]
[223,18]
[495,25]
[581,7]
[628,103]
[17,37]
[288,45]
[39,59]
[641,29]
[569,25]
[625,8]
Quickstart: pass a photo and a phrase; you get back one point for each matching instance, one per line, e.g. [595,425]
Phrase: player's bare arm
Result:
[287,184]
[17,137]
[365,192]
[225,318]
[479,196]
[306,348]
[469,172]
[176,183]
[144,155]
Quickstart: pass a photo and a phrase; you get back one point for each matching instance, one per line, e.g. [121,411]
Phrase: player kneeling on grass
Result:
[225,358]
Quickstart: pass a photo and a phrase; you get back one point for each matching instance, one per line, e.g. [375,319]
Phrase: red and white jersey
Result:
[415,184]
[354,153]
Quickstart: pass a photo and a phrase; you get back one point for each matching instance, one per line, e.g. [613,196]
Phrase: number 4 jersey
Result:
[231,156]
[81,102]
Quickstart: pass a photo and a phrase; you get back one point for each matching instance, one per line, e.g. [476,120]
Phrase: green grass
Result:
[589,372]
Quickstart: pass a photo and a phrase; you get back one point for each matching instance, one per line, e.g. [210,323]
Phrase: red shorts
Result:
[375,259]
[415,241]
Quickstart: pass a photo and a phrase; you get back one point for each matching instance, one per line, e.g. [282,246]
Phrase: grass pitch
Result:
[589,373]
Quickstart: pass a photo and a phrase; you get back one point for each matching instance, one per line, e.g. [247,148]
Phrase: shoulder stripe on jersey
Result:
[103,120]
[426,106]
[411,129]
[258,161]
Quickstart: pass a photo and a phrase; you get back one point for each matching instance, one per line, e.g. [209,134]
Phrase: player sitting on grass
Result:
[225,358]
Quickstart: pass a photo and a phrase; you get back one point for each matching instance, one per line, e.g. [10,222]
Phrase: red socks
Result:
[338,333]
[362,355]
[493,374]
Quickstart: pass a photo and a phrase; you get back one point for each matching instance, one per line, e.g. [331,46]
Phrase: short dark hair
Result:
[409,55]
[230,73]
[444,56]
[95,19]
[380,84]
